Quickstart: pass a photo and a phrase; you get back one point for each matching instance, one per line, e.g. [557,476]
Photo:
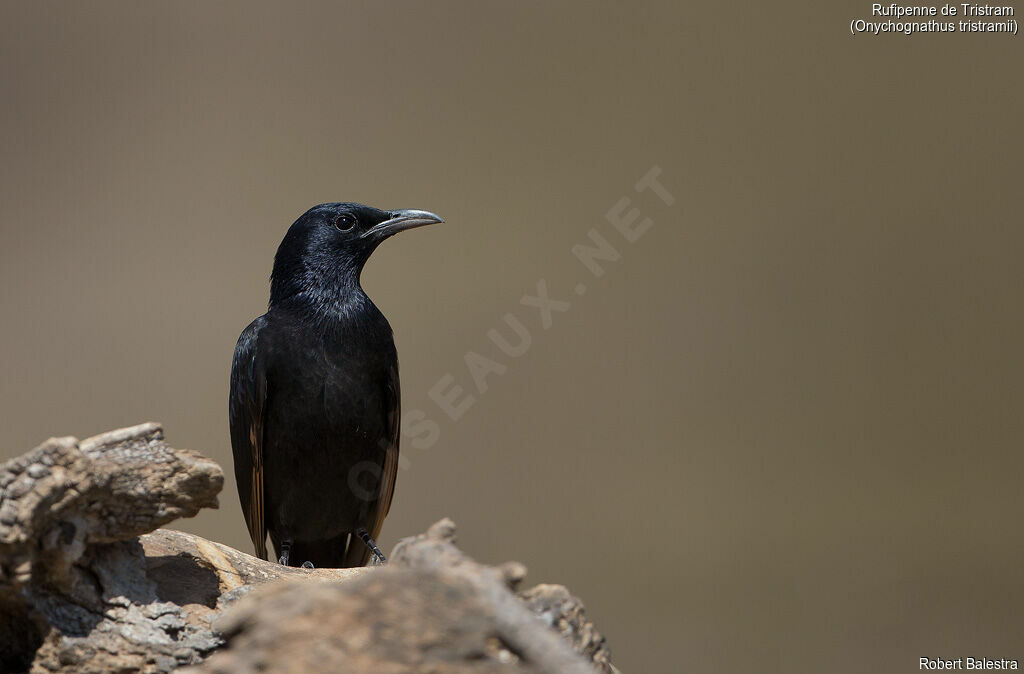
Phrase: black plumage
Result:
[314,405]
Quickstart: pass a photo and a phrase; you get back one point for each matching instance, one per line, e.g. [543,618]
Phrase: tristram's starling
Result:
[314,406]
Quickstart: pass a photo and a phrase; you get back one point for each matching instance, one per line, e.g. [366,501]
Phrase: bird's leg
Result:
[378,556]
[286,549]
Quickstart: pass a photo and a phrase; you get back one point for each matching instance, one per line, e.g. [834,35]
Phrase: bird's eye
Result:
[345,222]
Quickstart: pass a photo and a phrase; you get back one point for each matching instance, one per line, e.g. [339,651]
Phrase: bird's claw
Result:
[286,549]
[376,556]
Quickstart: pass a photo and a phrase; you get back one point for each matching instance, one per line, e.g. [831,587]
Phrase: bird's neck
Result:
[337,307]
[323,302]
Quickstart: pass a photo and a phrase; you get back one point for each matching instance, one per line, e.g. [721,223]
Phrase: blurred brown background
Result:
[781,433]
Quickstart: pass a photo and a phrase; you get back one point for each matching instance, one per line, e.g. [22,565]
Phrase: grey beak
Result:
[403,219]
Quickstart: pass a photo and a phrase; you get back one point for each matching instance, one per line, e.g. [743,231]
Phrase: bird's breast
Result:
[331,383]
[328,418]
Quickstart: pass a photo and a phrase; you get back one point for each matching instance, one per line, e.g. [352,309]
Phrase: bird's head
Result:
[326,248]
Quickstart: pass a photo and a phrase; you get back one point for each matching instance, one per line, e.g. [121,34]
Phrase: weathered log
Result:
[81,591]
[516,625]
[66,495]
[74,595]
[564,612]
[431,609]
[194,570]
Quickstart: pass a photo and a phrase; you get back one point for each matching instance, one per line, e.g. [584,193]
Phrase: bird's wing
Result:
[358,554]
[390,472]
[246,414]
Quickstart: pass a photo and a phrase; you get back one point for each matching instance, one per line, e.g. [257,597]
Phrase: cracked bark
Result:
[89,583]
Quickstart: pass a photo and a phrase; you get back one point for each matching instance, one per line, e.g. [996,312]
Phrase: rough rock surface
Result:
[80,591]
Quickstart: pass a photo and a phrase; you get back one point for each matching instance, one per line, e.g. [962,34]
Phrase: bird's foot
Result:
[286,549]
[307,564]
[377,557]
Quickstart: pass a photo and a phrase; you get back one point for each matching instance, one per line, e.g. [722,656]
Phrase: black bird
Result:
[314,407]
